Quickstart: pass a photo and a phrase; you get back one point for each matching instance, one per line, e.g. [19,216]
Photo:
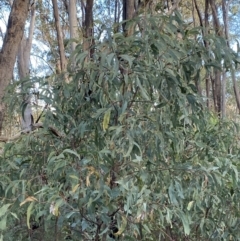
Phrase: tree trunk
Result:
[216,21]
[217,78]
[116,16]
[225,9]
[205,32]
[218,92]
[15,30]
[224,94]
[24,50]
[63,61]
[88,27]
[207,83]
[72,13]
[128,13]
[23,63]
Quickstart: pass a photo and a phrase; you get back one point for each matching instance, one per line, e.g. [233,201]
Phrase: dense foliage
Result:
[128,149]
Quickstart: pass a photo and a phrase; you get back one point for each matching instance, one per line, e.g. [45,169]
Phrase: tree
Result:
[12,39]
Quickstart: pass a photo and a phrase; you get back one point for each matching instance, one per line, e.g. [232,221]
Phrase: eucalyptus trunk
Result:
[63,62]
[73,24]
[88,40]
[225,10]
[128,13]
[12,40]
[217,73]
[205,31]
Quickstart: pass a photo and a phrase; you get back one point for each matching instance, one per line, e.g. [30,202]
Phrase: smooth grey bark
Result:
[23,57]
[23,63]
[73,23]
[12,39]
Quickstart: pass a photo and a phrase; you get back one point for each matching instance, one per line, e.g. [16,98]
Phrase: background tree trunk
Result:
[205,31]
[224,94]
[88,27]
[225,10]
[217,73]
[128,13]
[23,63]
[13,37]
[63,61]
[72,13]
[23,57]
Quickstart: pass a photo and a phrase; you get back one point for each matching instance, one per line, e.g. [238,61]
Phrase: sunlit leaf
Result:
[29,212]
[28,199]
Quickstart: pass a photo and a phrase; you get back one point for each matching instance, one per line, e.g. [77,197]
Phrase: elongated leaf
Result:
[29,211]
[71,152]
[4,209]
[128,58]
[143,91]
[190,204]
[3,223]
[185,223]
[106,120]
[28,199]
[122,227]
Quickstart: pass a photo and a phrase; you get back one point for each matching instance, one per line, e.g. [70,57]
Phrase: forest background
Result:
[119,120]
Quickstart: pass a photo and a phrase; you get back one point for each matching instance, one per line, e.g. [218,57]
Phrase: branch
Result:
[31,27]
[173,8]
[35,126]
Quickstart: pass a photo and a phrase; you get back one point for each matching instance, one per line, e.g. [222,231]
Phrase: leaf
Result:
[3,223]
[54,209]
[14,215]
[128,58]
[81,57]
[143,91]
[122,227]
[28,199]
[172,195]
[190,204]
[109,58]
[236,172]
[13,166]
[74,177]
[4,209]
[72,152]
[146,228]
[23,107]
[75,188]
[185,223]
[106,119]
[88,180]
[29,210]
[130,146]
